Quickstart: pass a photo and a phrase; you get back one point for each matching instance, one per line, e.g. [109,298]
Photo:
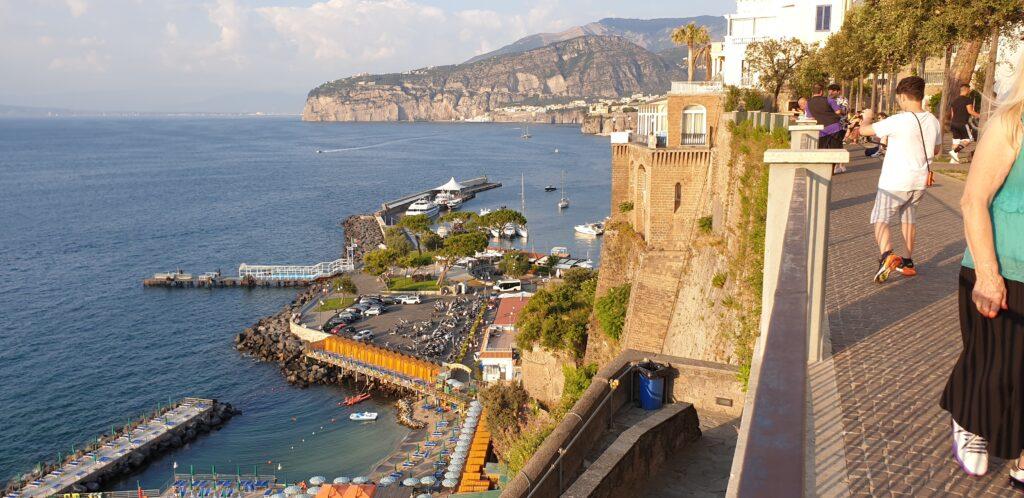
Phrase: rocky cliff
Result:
[583,67]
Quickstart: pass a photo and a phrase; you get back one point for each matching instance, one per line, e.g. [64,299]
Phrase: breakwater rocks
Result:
[405,414]
[270,340]
[138,457]
[363,232]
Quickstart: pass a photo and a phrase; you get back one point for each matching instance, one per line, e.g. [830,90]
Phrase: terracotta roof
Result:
[508,311]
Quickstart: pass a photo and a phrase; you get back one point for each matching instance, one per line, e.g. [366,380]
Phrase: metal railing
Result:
[696,87]
[695,139]
[296,272]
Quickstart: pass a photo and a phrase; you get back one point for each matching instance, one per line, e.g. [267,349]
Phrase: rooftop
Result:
[509,310]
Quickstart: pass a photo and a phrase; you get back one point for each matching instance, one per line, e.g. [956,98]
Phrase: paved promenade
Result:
[879,430]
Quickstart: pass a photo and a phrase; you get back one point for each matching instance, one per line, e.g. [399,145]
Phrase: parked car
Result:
[409,299]
[374,311]
[363,335]
[341,330]
[347,317]
[388,300]
[370,300]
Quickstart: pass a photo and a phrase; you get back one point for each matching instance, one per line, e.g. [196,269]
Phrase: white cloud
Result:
[89,62]
[77,7]
[229,19]
[171,30]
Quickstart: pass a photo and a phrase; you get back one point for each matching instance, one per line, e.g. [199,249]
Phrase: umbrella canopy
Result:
[317,480]
[466,438]
[424,495]
[303,495]
[277,495]
[313,490]
[410,481]
[462,445]
[455,467]
[450,483]
[387,481]
[428,481]
[475,403]
[451,475]
[342,480]
[292,490]
[451,186]
[460,454]
[360,480]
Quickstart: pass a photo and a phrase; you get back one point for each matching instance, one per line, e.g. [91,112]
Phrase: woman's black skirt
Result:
[985,391]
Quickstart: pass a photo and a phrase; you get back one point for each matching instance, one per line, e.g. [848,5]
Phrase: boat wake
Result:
[372,146]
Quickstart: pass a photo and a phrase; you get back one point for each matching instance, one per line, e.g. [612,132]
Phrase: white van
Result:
[511,285]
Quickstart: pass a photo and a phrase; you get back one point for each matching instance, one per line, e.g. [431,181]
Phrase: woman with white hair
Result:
[985,391]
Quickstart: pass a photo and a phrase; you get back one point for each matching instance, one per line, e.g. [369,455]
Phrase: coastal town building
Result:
[497,352]
[810,21]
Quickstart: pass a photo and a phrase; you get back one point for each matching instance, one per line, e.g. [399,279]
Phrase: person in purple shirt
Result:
[828,113]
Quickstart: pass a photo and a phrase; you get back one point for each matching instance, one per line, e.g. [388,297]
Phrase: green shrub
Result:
[395,239]
[706,223]
[344,284]
[411,284]
[626,207]
[514,264]
[378,261]
[416,260]
[718,280]
[577,380]
[524,446]
[934,101]
[557,315]
[610,310]
[752,98]
[504,402]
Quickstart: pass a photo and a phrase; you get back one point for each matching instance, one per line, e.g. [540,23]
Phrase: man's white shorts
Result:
[888,203]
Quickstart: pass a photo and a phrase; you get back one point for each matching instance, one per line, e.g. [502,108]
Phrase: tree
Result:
[504,402]
[460,246]
[431,241]
[395,239]
[610,310]
[697,41]
[500,217]
[514,264]
[379,261]
[458,216]
[416,260]
[557,315]
[417,223]
[775,62]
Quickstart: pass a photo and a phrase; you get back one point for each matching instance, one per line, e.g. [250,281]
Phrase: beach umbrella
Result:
[360,480]
[428,481]
[460,454]
[475,403]
[313,490]
[424,495]
[278,495]
[387,481]
[411,481]
[449,483]
[466,438]
[292,490]
[342,480]
[303,495]
[451,475]
[462,445]
[317,480]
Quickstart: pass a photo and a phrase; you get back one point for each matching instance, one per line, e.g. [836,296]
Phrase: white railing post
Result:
[804,134]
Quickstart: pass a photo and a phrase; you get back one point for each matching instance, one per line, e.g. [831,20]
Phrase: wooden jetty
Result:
[213,280]
[389,211]
[100,461]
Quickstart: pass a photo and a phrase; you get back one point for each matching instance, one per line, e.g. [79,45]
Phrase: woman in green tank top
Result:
[985,391]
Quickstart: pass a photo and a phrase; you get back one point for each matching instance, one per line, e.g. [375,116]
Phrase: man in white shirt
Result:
[914,140]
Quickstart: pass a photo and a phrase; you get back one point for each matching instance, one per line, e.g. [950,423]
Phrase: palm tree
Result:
[698,43]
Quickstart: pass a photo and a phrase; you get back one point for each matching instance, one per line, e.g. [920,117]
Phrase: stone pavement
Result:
[878,426]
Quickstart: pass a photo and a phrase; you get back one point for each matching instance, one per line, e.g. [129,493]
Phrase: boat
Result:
[354,400]
[526,132]
[318,151]
[559,251]
[590,228]
[586,263]
[448,199]
[550,188]
[496,233]
[509,230]
[485,211]
[422,206]
[522,231]
[363,416]
[564,201]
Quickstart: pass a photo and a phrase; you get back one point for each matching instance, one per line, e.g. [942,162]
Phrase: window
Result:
[695,125]
[823,18]
[679,197]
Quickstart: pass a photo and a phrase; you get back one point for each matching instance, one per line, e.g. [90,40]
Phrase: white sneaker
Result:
[838,169]
[955,156]
[970,451]
[1016,477]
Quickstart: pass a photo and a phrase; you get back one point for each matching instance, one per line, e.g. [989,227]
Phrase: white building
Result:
[497,352]
[810,21]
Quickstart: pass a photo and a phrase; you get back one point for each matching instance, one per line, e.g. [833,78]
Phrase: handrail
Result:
[770,452]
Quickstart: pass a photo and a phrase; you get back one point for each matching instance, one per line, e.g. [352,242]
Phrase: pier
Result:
[389,211]
[103,461]
[255,275]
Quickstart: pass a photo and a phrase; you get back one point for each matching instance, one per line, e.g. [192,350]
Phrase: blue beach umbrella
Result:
[449,483]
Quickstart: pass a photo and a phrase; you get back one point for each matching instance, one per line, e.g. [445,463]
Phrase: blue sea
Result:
[91,206]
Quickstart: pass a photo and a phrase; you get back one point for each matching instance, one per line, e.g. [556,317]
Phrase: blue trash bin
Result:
[652,385]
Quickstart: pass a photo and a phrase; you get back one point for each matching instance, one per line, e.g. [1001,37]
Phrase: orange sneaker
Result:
[906,267]
[886,265]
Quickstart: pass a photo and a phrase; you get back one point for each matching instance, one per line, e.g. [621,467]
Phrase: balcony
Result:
[695,139]
[696,87]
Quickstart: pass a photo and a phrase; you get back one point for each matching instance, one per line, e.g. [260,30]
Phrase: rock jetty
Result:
[363,232]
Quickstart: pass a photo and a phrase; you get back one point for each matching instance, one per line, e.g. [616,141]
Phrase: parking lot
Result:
[432,329]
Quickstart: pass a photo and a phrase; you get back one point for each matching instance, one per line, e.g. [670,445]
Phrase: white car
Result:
[363,335]
[410,299]
[374,311]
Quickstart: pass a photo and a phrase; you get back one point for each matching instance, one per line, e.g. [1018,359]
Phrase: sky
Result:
[260,55]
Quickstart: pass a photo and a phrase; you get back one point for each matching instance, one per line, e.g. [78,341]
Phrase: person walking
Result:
[828,114]
[914,138]
[985,391]
[961,110]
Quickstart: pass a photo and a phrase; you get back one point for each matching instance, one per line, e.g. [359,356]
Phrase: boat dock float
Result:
[390,210]
[255,275]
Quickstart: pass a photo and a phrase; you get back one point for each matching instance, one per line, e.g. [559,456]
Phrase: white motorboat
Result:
[496,233]
[522,231]
[422,206]
[590,228]
[448,199]
[587,263]
[509,230]
[363,416]
[559,251]
[485,211]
